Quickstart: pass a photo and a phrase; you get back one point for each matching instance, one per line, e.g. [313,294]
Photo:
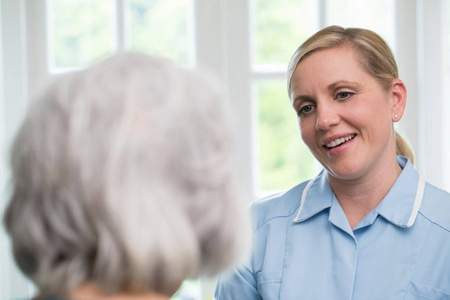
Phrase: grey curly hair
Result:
[122,175]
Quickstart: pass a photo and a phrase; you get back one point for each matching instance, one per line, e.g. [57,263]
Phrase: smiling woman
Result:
[347,103]
[369,211]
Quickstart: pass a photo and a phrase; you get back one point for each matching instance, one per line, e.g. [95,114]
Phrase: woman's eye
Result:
[343,95]
[305,109]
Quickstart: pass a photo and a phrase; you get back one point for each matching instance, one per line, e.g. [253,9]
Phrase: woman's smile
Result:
[337,141]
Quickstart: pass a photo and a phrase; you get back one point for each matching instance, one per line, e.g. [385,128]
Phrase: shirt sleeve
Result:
[238,285]
[240,282]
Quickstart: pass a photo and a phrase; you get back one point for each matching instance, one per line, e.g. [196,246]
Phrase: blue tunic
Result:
[304,248]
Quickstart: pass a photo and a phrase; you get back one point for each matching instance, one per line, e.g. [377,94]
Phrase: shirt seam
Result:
[417,261]
[275,217]
[430,287]
[284,256]
[433,222]
[246,280]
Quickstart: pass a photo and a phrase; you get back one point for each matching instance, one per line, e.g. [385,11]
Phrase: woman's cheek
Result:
[308,133]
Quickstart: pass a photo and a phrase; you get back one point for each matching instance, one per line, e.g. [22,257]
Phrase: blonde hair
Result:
[376,58]
[123,176]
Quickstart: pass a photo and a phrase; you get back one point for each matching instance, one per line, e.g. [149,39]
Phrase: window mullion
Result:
[238,71]
[38,44]
[322,9]
[13,285]
[222,44]
[209,34]
[121,25]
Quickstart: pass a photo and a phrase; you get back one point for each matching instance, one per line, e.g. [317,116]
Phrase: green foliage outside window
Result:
[190,290]
[284,159]
[160,27]
[81,32]
[279,28]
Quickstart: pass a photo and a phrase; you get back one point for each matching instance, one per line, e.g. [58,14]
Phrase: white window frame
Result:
[13,95]
[223,35]
[446,162]
[431,78]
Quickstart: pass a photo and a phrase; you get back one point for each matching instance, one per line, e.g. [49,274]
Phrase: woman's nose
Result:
[327,116]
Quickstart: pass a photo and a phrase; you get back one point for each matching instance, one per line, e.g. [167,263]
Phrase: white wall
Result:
[3,243]
[421,57]
[431,78]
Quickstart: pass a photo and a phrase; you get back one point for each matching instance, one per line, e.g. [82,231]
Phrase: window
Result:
[277,29]
[248,43]
[376,15]
[284,159]
[79,33]
[162,28]
[82,32]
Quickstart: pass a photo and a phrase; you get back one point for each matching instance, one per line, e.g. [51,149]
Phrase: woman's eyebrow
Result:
[336,84]
[301,98]
[331,87]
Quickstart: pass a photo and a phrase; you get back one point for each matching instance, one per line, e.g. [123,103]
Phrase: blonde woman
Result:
[368,226]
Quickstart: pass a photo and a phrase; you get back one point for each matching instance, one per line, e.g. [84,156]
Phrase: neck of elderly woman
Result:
[92,291]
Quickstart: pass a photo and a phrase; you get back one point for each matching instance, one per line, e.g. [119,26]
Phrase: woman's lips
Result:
[339,141]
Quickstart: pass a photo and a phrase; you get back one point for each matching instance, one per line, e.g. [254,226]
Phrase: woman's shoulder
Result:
[436,206]
[279,205]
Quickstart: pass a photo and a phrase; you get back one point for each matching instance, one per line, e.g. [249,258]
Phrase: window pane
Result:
[190,290]
[279,27]
[80,32]
[162,28]
[284,159]
[376,15]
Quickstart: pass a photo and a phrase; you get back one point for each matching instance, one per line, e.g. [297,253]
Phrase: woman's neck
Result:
[91,291]
[360,196]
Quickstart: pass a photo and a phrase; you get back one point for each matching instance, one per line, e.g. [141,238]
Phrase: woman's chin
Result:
[345,172]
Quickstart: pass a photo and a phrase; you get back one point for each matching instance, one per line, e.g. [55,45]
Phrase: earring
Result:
[395,117]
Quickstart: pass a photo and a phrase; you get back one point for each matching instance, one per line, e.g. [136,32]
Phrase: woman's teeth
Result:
[339,141]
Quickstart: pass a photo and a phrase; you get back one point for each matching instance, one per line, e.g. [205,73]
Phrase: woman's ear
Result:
[399,94]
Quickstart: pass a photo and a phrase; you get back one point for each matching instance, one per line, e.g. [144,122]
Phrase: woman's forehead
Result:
[328,66]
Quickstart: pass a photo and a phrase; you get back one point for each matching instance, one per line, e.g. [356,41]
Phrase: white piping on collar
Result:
[412,218]
[305,191]
[417,202]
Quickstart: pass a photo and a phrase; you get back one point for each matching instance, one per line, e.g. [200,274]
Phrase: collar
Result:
[316,197]
[400,206]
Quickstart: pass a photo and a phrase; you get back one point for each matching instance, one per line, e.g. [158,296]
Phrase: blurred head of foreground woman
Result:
[344,85]
[123,184]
